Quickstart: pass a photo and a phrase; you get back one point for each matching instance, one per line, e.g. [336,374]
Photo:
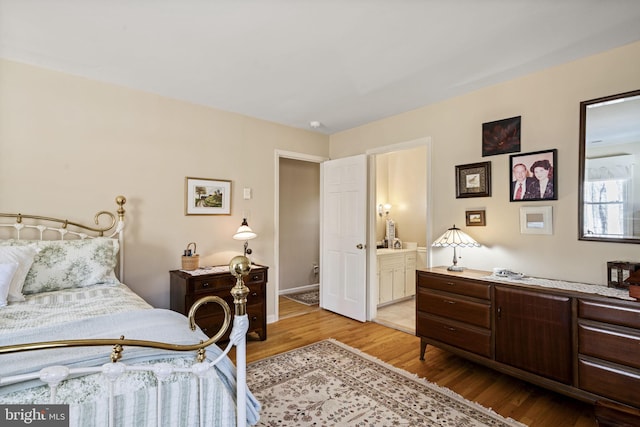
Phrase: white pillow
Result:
[23,256]
[63,264]
[7,271]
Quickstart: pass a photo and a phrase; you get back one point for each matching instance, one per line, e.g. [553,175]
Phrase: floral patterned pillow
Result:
[63,264]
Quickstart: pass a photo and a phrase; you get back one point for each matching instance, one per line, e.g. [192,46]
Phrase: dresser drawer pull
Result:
[448,301]
[450,283]
[205,285]
[449,328]
[254,294]
[254,318]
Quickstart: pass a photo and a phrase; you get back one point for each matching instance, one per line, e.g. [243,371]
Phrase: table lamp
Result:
[454,237]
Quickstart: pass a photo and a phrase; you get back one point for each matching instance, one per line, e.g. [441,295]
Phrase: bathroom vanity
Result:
[396,274]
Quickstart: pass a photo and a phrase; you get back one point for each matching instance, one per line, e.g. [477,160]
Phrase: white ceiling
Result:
[340,62]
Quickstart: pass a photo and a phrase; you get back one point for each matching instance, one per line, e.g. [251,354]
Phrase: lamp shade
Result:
[454,237]
[244,232]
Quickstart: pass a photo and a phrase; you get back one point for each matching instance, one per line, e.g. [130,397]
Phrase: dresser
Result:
[584,345]
[186,289]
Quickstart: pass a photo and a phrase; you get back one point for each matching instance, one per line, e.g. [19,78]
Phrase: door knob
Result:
[360,246]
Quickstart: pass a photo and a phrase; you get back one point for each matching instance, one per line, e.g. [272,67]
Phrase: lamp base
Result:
[455,268]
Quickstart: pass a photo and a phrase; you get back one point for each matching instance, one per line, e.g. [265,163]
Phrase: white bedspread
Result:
[52,308]
[86,313]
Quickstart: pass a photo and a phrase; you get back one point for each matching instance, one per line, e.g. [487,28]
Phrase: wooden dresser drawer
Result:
[454,285]
[447,305]
[620,346]
[454,333]
[611,381]
[610,313]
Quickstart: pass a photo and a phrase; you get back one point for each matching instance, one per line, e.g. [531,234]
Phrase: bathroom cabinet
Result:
[396,274]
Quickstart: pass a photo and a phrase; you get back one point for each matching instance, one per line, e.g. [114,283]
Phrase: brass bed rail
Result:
[120,201]
[239,267]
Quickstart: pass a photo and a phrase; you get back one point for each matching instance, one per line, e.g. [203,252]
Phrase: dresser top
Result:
[535,282]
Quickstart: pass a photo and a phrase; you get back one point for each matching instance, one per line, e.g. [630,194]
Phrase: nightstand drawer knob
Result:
[256,277]
[254,294]
[205,285]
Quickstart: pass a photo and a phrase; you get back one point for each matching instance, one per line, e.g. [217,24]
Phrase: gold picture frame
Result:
[204,196]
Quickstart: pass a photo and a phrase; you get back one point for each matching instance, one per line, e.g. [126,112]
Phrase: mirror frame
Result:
[581,169]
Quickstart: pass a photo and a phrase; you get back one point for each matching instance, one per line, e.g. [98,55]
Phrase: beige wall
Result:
[299,217]
[401,180]
[69,145]
[548,102]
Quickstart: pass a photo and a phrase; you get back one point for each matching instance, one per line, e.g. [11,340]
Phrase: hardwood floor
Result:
[509,397]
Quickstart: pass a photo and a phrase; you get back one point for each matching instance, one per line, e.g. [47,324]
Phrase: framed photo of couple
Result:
[533,176]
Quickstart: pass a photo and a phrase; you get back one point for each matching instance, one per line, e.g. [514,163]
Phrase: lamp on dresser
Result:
[454,237]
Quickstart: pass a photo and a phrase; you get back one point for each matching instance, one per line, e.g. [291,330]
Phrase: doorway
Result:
[297,233]
[400,195]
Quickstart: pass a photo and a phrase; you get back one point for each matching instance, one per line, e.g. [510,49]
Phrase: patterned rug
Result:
[306,297]
[331,384]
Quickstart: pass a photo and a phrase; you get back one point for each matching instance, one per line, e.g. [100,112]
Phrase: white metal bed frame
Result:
[54,375]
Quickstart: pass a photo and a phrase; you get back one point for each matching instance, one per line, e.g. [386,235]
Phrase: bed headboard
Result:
[36,227]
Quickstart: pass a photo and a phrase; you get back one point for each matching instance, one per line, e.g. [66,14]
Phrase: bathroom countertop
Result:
[385,251]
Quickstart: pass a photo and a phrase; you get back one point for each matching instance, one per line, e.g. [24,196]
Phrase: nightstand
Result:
[187,289]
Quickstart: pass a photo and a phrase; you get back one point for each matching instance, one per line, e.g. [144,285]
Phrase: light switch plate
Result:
[247,193]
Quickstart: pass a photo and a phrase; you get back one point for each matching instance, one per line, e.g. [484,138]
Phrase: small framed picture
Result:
[207,196]
[501,136]
[533,176]
[473,180]
[536,220]
[475,218]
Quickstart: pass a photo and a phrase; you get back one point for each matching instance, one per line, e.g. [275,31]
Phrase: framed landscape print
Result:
[475,218]
[501,136]
[533,176]
[473,180]
[207,196]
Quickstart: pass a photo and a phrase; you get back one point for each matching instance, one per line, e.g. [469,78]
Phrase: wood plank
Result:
[507,396]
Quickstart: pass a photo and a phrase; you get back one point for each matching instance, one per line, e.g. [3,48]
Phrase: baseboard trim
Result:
[299,289]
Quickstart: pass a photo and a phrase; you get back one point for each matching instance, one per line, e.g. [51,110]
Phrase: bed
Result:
[78,344]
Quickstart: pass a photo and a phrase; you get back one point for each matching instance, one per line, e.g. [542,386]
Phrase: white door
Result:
[343,284]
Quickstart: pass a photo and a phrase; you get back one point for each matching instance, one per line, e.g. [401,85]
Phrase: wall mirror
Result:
[609,185]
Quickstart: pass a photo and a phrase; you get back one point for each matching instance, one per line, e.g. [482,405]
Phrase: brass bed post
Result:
[120,201]
[240,266]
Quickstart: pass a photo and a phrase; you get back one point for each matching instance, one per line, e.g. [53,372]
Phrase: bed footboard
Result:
[53,376]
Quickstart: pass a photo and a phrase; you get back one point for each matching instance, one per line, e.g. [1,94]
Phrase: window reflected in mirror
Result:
[609,198]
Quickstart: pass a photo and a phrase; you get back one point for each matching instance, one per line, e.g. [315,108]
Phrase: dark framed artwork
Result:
[501,136]
[534,176]
[475,218]
[473,180]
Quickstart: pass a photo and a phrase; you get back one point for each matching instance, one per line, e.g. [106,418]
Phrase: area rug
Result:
[307,297]
[331,384]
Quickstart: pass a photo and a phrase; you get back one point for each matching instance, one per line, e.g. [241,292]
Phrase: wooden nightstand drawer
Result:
[208,284]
